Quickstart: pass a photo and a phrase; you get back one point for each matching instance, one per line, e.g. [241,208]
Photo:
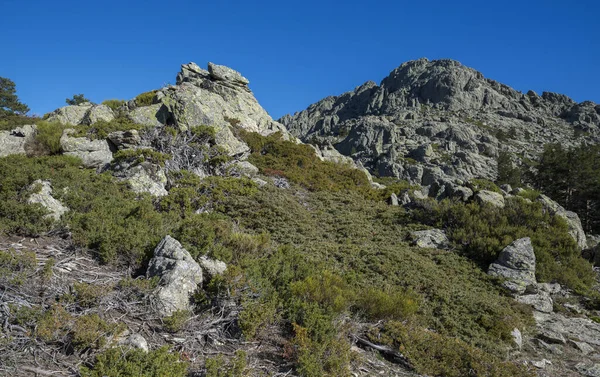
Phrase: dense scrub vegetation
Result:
[323,261]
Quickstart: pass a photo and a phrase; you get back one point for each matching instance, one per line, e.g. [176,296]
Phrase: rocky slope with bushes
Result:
[186,233]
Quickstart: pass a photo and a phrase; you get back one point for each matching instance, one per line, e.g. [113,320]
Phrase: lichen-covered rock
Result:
[97,113]
[151,116]
[217,98]
[42,194]
[142,177]
[490,197]
[179,276]
[93,153]
[516,264]
[125,139]
[135,341]
[430,238]
[15,141]
[72,115]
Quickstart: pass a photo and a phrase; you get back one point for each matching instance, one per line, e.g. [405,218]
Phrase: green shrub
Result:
[89,331]
[219,367]
[88,295]
[102,128]
[114,104]
[207,133]
[9,122]
[117,362]
[530,194]
[379,304]
[437,355]
[299,163]
[146,98]
[47,139]
[176,321]
[77,99]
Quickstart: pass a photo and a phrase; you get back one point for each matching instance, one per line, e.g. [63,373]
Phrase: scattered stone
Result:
[430,238]
[405,198]
[142,177]
[93,153]
[179,276]
[393,200]
[516,264]
[42,194]
[259,182]
[506,188]
[490,197]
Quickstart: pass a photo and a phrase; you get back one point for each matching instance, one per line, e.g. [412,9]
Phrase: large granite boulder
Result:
[515,264]
[15,141]
[93,153]
[180,275]
[42,194]
[72,115]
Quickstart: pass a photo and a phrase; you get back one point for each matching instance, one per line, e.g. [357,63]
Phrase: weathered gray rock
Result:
[142,177]
[223,73]
[393,200]
[125,139]
[72,115]
[93,153]
[42,194]
[151,116]
[515,264]
[179,276]
[490,197]
[582,347]
[572,219]
[580,329]
[430,238]
[281,182]
[550,336]
[15,141]
[97,113]
[540,301]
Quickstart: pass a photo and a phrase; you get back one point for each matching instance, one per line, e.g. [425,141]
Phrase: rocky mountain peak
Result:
[461,119]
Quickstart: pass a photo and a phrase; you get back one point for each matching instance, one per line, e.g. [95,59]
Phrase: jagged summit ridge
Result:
[440,120]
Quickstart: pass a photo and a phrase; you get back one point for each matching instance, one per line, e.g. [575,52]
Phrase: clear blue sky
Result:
[293,52]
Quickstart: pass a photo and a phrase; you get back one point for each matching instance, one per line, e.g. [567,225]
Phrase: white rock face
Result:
[72,115]
[179,276]
[45,198]
[490,197]
[14,141]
